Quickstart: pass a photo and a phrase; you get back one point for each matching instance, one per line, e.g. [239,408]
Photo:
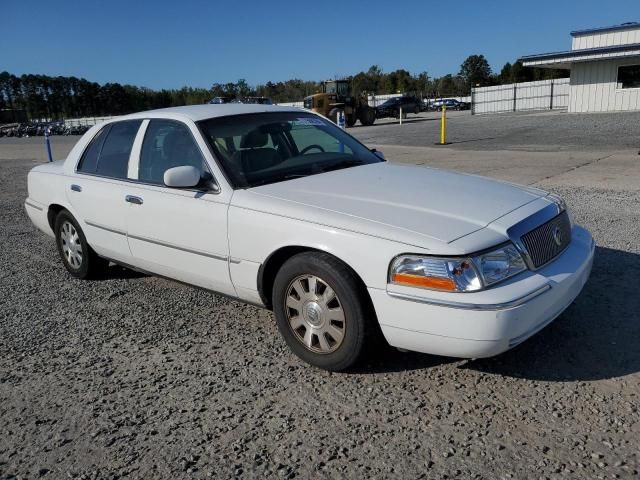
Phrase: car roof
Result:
[203,112]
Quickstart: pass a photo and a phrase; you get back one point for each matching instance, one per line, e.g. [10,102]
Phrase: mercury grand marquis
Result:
[279,207]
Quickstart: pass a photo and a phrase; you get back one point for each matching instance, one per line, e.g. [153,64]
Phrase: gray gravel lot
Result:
[545,131]
[138,377]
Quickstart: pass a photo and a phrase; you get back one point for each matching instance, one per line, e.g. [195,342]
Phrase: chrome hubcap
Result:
[71,246]
[315,314]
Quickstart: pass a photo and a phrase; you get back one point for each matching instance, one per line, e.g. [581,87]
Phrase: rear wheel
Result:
[321,311]
[404,114]
[77,256]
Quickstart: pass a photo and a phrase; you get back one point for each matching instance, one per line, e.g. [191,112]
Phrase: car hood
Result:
[412,204]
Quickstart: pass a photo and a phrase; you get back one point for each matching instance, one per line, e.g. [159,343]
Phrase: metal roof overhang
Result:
[563,60]
[612,28]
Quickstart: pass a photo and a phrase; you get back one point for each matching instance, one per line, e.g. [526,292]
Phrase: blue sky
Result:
[167,44]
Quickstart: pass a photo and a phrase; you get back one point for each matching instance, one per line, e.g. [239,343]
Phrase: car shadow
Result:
[471,140]
[397,122]
[117,272]
[387,359]
[596,338]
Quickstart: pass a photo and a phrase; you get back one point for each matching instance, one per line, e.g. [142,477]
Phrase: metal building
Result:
[605,68]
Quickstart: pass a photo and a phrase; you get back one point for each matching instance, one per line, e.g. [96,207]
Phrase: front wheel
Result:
[77,256]
[350,120]
[367,116]
[321,311]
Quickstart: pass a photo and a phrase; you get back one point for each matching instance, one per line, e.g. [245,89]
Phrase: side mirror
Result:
[182,177]
[378,153]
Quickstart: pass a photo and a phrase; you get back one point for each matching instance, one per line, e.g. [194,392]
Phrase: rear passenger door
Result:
[98,188]
[177,233]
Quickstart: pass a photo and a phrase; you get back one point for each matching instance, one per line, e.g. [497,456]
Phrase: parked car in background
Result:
[249,100]
[451,103]
[391,107]
[279,207]
[221,100]
[257,100]
[32,129]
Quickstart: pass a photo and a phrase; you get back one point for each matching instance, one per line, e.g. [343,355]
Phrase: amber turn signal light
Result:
[437,283]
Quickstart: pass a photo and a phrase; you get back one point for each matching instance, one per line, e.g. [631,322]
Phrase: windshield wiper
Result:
[343,164]
[289,176]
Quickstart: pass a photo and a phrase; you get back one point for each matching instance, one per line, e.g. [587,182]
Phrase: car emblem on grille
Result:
[557,236]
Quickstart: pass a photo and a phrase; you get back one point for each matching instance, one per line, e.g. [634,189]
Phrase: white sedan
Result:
[280,208]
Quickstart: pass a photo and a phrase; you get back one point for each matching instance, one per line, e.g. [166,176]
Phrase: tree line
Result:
[43,96]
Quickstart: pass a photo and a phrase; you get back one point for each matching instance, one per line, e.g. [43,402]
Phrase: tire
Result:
[327,325]
[350,120]
[416,110]
[397,114]
[77,256]
[367,116]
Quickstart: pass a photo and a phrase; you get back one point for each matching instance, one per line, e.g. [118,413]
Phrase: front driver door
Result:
[177,233]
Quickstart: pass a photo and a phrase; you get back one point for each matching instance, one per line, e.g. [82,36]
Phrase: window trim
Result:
[134,158]
[111,125]
[107,129]
[216,191]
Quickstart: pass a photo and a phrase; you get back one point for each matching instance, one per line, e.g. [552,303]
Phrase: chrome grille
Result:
[546,242]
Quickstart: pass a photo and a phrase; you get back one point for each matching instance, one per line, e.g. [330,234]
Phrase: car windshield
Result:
[261,148]
[391,101]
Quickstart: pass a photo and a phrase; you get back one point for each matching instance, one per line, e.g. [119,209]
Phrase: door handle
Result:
[76,188]
[133,199]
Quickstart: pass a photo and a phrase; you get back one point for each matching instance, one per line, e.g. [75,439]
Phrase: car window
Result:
[114,156]
[308,137]
[167,144]
[108,153]
[89,161]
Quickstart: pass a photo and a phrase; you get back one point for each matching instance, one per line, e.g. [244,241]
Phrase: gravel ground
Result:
[542,131]
[138,377]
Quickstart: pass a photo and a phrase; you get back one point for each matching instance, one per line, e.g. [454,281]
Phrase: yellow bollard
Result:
[443,126]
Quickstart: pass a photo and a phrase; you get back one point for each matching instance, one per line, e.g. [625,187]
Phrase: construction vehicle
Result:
[336,96]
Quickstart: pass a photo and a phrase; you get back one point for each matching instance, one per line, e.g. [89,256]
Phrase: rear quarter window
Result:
[89,161]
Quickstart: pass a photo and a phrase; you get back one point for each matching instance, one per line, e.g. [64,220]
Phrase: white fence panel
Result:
[291,104]
[86,121]
[521,97]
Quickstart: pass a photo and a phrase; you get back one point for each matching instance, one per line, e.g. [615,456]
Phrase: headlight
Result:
[457,274]
[499,264]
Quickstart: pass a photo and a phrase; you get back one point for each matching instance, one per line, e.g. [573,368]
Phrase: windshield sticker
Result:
[309,121]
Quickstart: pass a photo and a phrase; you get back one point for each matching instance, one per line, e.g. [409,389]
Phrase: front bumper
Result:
[483,324]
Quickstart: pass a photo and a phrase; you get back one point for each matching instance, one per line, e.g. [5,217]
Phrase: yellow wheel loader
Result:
[336,96]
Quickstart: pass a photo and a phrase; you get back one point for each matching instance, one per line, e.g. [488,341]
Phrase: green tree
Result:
[505,73]
[475,71]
